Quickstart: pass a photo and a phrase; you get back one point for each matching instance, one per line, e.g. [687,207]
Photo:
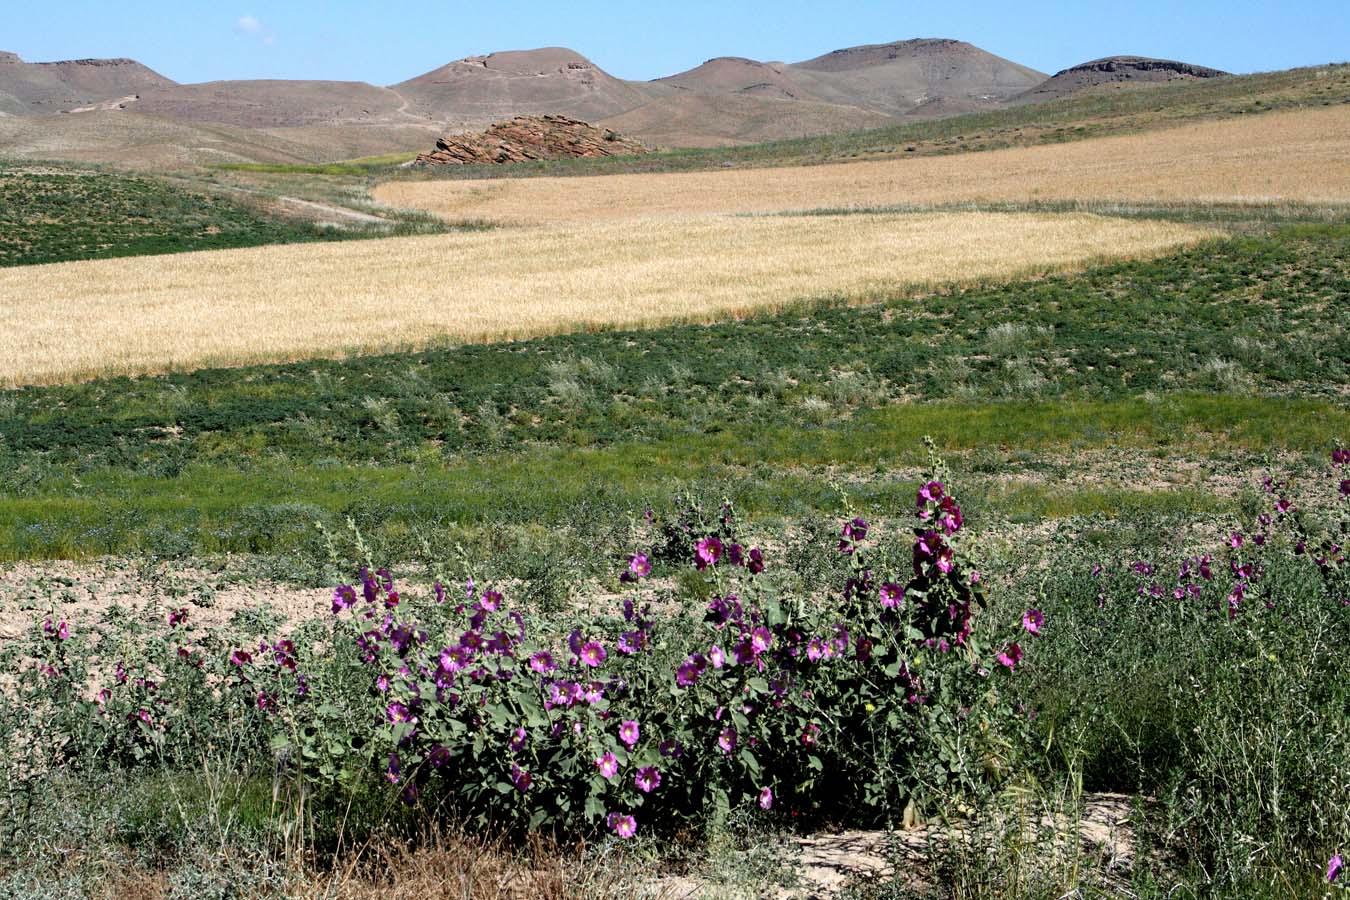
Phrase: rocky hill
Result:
[528,137]
[1115,70]
[34,89]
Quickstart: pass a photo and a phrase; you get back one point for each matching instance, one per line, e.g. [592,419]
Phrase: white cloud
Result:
[248,24]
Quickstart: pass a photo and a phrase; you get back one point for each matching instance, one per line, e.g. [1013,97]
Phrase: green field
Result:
[56,212]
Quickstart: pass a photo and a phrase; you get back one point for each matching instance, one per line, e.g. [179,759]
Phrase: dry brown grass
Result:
[1280,157]
[148,314]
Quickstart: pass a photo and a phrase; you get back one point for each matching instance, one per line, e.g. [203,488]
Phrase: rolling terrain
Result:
[154,121]
[1118,338]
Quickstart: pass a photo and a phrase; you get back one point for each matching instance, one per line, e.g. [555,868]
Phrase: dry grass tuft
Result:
[264,304]
[457,866]
[1280,157]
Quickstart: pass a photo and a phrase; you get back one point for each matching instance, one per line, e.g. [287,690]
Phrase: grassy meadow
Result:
[1116,669]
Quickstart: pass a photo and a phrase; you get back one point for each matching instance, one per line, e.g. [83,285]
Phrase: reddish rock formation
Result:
[529,137]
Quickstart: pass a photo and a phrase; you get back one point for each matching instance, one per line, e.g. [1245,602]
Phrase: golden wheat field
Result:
[148,314]
[1277,157]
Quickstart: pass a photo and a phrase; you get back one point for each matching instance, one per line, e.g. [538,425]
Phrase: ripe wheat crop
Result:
[139,315]
[1276,158]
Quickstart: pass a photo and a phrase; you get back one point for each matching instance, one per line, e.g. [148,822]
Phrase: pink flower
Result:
[608,765]
[891,595]
[1334,868]
[639,566]
[624,826]
[1033,621]
[760,640]
[592,653]
[648,779]
[1011,655]
[727,740]
[542,662]
[1235,541]
[717,657]
[629,732]
[707,553]
[765,799]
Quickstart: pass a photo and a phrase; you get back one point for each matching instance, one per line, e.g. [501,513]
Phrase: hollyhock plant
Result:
[592,654]
[1011,656]
[766,799]
[726,741]
[629,733]
[1033,620]
[608,764]
[707,552]
[648,779]
[625,826]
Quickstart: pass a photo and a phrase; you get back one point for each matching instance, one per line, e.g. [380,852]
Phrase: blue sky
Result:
[383,43]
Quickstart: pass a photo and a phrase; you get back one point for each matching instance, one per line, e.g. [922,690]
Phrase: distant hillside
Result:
[902,78]
[1115,70]
[552,80]
[34,89]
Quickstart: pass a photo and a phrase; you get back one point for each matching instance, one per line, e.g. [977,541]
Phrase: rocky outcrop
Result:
[1113,72]
[1125,67]
[7,58]
[529,138]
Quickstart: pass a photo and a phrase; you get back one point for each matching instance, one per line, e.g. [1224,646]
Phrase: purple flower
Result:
[542,662]
[707,552]
[727,740]
[520,778]
[755,562]
[760,640]
[624,826]
[1334,868]
[398,712]
[891,595]
[518,740]
[817,650]
[240,657]
[1235,541]
[1011,655]
[608,765]
[629,733]
[689,671]
[853,532]
[648,779]
[930,493]
[393,770]
[1033,620]
[949,517]
[343,598]
[592,654]
[639,567]
[766,799]
[178,617]
[631,642]
[717,657]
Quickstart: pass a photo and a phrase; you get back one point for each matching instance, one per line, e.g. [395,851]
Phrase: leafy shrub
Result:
[858,698]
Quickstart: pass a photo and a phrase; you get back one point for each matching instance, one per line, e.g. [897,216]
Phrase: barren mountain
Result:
[274,104]
[479,90]
[900,78]
[1118,71]
[34,89]
[692,119]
